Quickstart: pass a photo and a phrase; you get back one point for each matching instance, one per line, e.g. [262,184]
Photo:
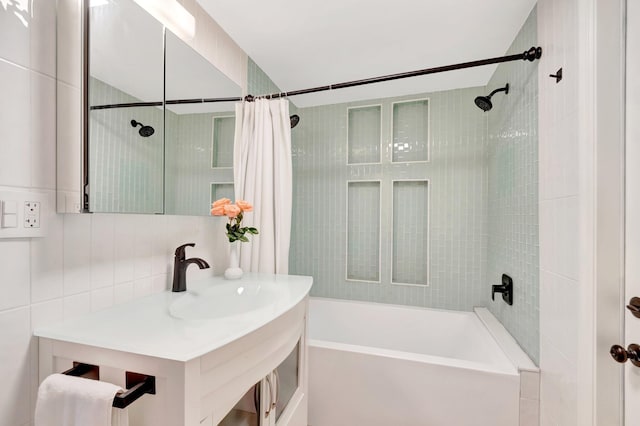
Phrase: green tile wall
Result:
[456,212]
[125,169]
[513,192]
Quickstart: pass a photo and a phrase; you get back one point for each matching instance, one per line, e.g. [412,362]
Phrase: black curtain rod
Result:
[529,55]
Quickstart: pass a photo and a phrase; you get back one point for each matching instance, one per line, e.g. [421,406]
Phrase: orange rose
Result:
[217,211]
[244,206]
[231,210]
[221,202]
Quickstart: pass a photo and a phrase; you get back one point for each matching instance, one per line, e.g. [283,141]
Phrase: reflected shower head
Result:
[484,102]
[145,131]
[295,119]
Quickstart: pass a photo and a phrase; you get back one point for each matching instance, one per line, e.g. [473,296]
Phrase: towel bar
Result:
[137,384]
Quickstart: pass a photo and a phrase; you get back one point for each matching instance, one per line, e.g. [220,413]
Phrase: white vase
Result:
[234,271]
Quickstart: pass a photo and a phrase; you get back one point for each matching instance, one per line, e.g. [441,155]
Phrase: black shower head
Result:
[145,131]
[484,102]
[295,119]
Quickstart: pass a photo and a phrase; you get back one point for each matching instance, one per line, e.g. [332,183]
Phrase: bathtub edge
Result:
[505,340]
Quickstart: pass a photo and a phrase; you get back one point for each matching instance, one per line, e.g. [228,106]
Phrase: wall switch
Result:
[9,207]
[21,213]
[9,221]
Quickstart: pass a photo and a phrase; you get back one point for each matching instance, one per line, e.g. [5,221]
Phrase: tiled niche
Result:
[432,200]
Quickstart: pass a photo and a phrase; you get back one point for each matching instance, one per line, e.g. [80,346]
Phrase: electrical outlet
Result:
[31,222]
[32,214]
[32,208]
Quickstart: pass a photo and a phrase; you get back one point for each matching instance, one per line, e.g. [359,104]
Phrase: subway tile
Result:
[123,292]
[556,294]
[15,366]
[15,282]
[43,37]
[125,227]
[529,412]
[43,131]
[160,283]
[76,305]
[558,385]
[102,298]
[15,20]
[47,263]
[77,253]
[142,251]
[15,149]
[102,250]
[529,385]
[142,287]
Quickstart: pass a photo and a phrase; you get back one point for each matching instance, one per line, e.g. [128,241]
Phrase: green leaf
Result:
[253,230]
[243,238]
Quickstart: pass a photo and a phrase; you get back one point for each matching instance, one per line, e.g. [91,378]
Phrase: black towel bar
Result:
[137,384]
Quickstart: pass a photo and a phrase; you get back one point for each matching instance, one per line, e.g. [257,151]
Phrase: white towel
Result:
[74,401]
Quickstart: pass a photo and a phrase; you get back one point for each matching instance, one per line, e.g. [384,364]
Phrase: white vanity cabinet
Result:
[202,365]
[279,399]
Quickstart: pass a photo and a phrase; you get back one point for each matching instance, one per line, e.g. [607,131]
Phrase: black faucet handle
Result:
[180,251]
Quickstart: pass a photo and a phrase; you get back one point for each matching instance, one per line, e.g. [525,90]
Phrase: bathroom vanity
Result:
[221,350]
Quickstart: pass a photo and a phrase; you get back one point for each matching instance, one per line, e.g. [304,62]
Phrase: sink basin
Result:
[226,299]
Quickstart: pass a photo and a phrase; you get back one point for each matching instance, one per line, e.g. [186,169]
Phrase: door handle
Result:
[622,355]
[634,306]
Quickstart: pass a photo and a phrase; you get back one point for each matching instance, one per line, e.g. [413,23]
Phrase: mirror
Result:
[145,155]
[199,135]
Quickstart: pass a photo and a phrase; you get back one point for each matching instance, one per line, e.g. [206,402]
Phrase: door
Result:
[632,324]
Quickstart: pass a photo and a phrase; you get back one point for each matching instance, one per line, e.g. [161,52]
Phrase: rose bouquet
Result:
[235,213]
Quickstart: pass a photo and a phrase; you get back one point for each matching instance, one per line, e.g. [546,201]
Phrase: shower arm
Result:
[528,55]
[502,89]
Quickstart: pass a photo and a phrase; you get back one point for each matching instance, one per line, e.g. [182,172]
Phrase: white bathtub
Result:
[374,364]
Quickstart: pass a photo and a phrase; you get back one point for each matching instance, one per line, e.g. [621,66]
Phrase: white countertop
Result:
[150,326]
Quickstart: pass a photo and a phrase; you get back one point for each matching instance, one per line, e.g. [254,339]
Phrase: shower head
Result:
[145,131]
[295,119]
[484,102]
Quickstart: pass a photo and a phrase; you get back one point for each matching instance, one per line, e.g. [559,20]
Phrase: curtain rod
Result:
[528,55]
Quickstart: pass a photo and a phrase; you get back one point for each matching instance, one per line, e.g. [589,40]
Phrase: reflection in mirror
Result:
[126,152]
[199,136]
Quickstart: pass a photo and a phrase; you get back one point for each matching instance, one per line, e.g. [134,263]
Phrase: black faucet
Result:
[180,264]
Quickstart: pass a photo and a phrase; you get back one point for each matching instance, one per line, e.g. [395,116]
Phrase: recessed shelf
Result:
[410,254]
[222,190]
[410,131]
[364,134]
[223,133]
[363,231]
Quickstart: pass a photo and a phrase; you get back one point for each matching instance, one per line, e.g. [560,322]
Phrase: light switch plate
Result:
[21,214]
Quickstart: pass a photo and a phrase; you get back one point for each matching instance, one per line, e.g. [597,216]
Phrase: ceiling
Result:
[302,44]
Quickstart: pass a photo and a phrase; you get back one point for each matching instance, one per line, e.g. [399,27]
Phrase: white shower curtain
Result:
[262,173]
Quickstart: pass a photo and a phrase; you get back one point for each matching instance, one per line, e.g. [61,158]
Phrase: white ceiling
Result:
[302,44]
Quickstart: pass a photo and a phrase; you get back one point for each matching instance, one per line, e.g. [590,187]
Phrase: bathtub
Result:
[384,365]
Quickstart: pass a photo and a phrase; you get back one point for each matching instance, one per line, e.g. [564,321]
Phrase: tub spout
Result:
[506,289]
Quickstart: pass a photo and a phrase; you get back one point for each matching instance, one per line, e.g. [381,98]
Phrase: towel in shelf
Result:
[74,401]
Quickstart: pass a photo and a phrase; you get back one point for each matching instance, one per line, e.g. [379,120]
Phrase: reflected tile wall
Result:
[190,149]
[513,192]
[126,169]
[457,172]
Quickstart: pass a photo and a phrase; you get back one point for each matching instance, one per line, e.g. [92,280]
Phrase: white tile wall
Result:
[559,213]
[86,262]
